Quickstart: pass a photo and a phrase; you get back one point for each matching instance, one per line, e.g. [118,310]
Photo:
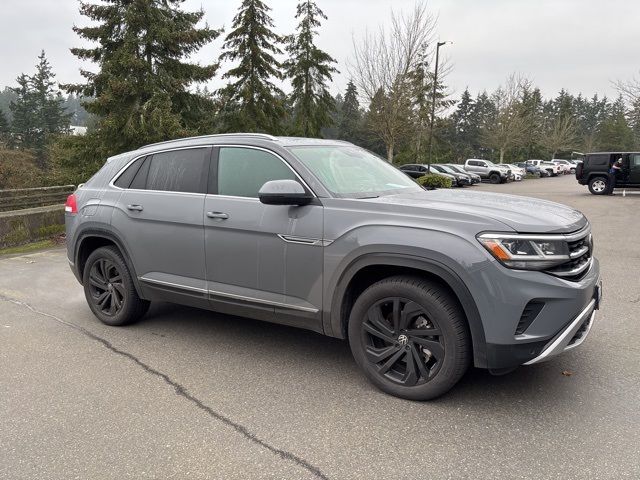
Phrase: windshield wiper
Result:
[364,198]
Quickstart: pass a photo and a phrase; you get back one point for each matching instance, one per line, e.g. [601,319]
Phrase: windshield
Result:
[352,172]
[448,169]
[457,169]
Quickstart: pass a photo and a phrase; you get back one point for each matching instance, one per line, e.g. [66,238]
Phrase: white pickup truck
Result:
[551,168]
[566,166]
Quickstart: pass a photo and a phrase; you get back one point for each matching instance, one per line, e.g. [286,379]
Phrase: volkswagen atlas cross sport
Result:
[323,235]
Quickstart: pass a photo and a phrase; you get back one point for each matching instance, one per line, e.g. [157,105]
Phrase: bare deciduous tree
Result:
[561,135]
[629,89]
[381,67]
[509,125]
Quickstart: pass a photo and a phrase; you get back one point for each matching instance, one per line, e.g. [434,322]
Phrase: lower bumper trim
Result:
[566,340]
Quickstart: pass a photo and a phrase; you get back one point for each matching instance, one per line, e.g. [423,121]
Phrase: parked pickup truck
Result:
[551,168]
[566,166]
[488,170]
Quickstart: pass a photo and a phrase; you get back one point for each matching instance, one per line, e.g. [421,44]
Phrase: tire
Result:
[438,360]
[494,178]
[599,185]
[109,288]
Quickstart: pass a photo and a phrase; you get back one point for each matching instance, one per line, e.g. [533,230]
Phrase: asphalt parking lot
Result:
[190,394]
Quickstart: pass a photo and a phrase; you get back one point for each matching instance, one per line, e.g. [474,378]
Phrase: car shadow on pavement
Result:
[202,332]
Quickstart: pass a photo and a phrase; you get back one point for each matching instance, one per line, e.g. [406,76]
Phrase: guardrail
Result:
[20,198]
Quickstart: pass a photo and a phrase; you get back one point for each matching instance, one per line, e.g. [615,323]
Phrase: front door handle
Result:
[135,208]
[220,215]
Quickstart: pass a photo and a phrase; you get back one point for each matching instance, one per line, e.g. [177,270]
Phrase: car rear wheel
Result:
[410,337]
[599,185]
[494,178]
[109,288]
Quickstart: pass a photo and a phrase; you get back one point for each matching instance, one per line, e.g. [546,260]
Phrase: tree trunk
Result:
[390,153]
[501,155]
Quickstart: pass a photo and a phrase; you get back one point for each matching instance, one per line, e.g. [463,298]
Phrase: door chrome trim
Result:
[171,284]
[316,242]
[264,302]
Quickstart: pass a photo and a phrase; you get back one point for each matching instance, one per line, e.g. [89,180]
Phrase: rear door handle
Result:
[221,215]
[136,208]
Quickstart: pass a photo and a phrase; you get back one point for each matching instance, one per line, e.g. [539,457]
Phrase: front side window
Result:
[634,162]
[243,171]
[352,172]
[176,171]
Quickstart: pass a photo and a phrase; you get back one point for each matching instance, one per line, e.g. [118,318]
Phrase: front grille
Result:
[581,252]
[529,314]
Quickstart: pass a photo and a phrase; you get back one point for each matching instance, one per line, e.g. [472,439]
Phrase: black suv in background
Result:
[594,171]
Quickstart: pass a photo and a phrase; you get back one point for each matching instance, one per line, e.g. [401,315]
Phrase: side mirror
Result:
[284,192]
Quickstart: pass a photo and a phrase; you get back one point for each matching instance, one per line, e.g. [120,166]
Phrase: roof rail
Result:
[265,136]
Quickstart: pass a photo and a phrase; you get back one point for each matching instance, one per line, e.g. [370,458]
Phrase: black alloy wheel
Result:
[402,341]
[410,337]
[107,290]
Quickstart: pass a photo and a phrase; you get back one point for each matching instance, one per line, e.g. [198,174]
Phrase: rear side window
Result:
[598,160]
[243,171]
[126,177]
[177,171]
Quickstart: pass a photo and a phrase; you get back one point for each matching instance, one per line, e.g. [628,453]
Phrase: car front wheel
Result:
[410,337]
[109,288]
[599,185]
[494,178]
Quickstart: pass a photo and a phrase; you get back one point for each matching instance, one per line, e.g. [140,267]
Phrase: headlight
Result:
[526,252]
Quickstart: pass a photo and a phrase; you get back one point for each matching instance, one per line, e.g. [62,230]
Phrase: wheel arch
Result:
[89,240]
[370,268]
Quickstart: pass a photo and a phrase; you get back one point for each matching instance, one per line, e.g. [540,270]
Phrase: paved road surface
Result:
[187,394]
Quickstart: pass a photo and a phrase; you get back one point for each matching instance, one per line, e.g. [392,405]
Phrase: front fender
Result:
[443,254]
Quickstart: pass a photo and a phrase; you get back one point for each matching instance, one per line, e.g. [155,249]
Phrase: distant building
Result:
[77,130]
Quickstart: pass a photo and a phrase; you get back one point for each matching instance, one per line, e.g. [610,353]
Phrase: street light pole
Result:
[433,103]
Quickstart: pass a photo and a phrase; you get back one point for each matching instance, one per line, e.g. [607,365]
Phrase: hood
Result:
[522,214]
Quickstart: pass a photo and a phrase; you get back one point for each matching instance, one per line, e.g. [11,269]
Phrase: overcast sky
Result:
[581,45]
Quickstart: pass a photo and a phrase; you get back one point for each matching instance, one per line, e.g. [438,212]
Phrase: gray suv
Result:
[323,235]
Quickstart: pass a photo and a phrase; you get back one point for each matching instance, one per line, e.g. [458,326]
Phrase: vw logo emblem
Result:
[403,340]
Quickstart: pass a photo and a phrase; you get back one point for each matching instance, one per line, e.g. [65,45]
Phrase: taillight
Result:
[71,206]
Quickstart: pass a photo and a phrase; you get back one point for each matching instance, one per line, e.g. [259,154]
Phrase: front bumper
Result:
[502,297]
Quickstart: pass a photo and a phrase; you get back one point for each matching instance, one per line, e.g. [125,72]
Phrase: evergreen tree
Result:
[4,129]
[309,69]
[465,132]
[51,115]
[252,102]
[141,92]
[24,126]
[7,95]
[615,134]
[4,123]
[351,114]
